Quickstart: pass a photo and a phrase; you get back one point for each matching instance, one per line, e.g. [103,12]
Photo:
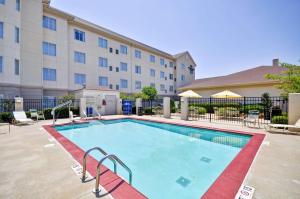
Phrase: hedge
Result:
[280,119]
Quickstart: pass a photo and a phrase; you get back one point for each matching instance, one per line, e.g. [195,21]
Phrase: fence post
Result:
[19,104]
[138,104]
[184,108]
[166,106]
[294,107]
[210,109]
[82,107]
[119,106]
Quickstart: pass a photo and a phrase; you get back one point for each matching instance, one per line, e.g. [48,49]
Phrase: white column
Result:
[82,106]
[138,103]
[184,108]
[294,107]
[119,106]
[167,111]
[19,104]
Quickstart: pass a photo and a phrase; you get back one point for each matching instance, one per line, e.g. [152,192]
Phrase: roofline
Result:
[229,85]
[106,32]
[183,53]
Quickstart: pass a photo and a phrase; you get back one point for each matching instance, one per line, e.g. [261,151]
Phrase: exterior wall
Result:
[30,83]
[246,91]
[294,107]
[187,61]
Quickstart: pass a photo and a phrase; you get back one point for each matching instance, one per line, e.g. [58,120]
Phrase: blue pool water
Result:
[167,161]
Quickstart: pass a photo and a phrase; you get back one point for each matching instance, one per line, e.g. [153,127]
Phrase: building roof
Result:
[108,33]
[251,76]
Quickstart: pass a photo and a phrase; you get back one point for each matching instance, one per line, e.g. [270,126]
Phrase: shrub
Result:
[201,110]
[280,119]
[61,112]
[6,117]
[147,111]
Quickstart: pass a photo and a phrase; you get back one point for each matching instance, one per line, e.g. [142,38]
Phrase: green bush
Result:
[147,111]
[201,110]
[61,112]
[249,107]
[6,117]
[226,111]
[280,119]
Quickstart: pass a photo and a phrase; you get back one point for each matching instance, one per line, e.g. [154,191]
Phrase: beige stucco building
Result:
[45,52]
[247,83]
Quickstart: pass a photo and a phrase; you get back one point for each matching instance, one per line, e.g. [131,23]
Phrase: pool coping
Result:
[225,186]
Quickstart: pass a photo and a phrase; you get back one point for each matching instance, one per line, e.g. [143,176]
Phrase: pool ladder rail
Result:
[112,158]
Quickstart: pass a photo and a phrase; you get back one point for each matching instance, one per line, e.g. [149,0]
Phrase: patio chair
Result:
[21,118]
[252,118]
[35,114]
[282,128]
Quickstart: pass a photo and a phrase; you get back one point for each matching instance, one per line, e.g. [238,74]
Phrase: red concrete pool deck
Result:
[226,185]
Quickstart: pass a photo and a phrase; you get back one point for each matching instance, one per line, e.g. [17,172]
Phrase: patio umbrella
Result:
[226,94]
[190,94]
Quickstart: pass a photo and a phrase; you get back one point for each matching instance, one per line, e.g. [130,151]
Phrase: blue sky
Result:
[223,36]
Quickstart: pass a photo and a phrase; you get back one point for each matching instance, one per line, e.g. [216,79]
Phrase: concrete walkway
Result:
[32,166]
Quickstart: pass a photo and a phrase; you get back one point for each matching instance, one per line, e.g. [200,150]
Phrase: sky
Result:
[223,36]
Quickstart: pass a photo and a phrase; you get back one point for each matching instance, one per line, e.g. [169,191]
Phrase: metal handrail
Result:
[84,161]
[99,170]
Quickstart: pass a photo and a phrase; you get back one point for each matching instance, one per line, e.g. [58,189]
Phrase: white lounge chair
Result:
[282,128]
[21,118]
[72,118]
[252,118]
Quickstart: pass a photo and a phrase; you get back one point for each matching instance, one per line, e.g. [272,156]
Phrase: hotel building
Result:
[45,53]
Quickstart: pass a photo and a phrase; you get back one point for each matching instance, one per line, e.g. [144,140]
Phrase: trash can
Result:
[127,108]
[140,111]
[89,111]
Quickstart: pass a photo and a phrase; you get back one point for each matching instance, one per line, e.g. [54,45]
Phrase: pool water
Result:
[167,161]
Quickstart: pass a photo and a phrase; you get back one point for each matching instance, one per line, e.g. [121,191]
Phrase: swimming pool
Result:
[167,161]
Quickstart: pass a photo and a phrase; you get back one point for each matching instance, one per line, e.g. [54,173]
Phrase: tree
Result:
[289,80]
[150,92]
[266,101]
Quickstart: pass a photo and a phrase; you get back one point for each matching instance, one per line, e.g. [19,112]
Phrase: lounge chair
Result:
[252,118]
[35,114]
[21,118]
[282,128]
[72,118]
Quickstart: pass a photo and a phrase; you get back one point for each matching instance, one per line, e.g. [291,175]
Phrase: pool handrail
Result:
[99,170]
[84,161]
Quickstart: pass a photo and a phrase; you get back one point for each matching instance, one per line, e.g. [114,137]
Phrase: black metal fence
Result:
[7,105]
[42,104]
[153,107]
[237,110]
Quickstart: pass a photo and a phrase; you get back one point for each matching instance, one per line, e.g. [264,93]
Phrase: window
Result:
[1,64]
[17,34]
[152,58]
[171,88]
[170,76]
[124,83]
[152,85]
[110,86]
[110,68]
[79,57]
[49,74]
[191,70]
[49,23]
[123,66]
[152,72]
[171,64]
[117,51]
[162,74]
[138,70]
[117,87]
[49,49]
[17,67]
[79,35]
[103,62]
[182,78]
[18,5]
[117,69]
[182,66]
[2,2]
[110,50]
[102,42]
[103,81]
[138,54]
[79,78]
[138,84]
[1,30]
[162,61]
[123,49]
[162,87]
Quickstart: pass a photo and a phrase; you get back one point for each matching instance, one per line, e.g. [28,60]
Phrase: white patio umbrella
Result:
[226,94]
[190,94]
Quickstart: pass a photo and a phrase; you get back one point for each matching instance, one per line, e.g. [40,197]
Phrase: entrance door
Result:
[111,105]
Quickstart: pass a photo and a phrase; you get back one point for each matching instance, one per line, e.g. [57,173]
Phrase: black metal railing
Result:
[7,105]
[42,104]
[153,107]
[236,110]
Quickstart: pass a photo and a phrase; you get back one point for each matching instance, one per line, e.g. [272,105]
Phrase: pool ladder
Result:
[112,158]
